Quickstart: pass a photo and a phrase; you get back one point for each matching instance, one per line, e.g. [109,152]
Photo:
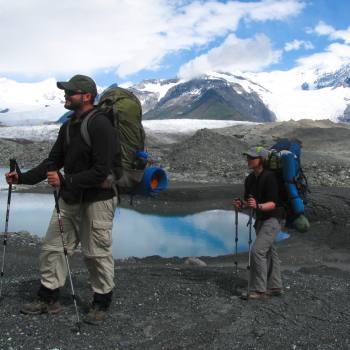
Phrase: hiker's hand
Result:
[237,203]
[53,178]
[11,178]
[106,184]
[251,203]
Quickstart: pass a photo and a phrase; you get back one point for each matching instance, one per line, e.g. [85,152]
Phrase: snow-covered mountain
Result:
[287,97]
[29,103]
[337,78]
[299,93]
[282,93]
[210,97]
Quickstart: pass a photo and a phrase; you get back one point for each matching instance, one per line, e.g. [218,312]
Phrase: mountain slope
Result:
[210,98]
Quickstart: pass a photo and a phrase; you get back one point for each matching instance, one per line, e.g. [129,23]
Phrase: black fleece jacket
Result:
[264,188]
[85,167]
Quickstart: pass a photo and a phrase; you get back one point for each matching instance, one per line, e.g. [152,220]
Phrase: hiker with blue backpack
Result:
[86,204]
[261,196]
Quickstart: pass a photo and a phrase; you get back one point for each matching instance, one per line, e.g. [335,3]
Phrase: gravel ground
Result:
[170,304]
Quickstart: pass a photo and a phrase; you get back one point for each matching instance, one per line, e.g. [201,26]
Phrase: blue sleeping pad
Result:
[154,180]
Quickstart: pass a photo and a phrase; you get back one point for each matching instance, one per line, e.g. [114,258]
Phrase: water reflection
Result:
[135,234]
[206,233]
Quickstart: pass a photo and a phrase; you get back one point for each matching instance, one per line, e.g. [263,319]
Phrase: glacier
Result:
[169,126]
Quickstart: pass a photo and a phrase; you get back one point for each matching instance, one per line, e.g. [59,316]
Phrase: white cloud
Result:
[333,34]
[334,57]
[234,54]
[323,29]
[271,9]
[297,45]
[40,37]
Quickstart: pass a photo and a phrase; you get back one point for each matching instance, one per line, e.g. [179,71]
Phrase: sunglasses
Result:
[72,93]
[251,158]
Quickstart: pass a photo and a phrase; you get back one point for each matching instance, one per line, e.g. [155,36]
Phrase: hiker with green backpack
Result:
[86,204]
[261,197]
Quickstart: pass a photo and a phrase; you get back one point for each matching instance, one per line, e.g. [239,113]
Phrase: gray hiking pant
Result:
[89,224]
[265,270]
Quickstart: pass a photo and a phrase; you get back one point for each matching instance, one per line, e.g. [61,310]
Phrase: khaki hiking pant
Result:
[265,264]
[89,224]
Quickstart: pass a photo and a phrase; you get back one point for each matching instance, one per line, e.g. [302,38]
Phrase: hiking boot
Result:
[98,310]
[96,315]
[274,292]
[39,306]
[253,296]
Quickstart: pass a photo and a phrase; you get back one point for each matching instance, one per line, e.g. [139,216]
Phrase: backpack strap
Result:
[84,126]
[67,131]
[86,137]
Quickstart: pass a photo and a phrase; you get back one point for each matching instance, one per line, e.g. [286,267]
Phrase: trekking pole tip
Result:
[77,329]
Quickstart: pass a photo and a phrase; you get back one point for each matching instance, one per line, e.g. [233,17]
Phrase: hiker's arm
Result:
[103,146]
[266,206]
[271,195]
[39,173]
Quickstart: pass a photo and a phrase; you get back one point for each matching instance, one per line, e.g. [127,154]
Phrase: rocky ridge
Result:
[215,155]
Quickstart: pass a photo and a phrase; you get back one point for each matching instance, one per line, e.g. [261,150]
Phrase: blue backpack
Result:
[284,160]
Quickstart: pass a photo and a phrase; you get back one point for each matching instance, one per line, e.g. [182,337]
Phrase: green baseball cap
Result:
[79,83]
[257,152]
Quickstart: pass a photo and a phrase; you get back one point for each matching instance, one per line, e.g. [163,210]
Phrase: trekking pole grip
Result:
[12,164]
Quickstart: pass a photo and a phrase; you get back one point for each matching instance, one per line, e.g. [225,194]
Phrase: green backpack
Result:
[125,112]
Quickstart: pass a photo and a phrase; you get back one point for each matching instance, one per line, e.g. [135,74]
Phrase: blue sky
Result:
[128,40]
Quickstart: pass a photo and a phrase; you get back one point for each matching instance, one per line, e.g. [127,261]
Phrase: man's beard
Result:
[73,105]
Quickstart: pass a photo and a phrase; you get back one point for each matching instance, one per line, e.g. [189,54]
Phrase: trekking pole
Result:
[12,168]
[236,240]
[60,224]
[250,222]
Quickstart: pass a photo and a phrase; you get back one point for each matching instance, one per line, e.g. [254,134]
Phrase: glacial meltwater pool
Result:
[207,233]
